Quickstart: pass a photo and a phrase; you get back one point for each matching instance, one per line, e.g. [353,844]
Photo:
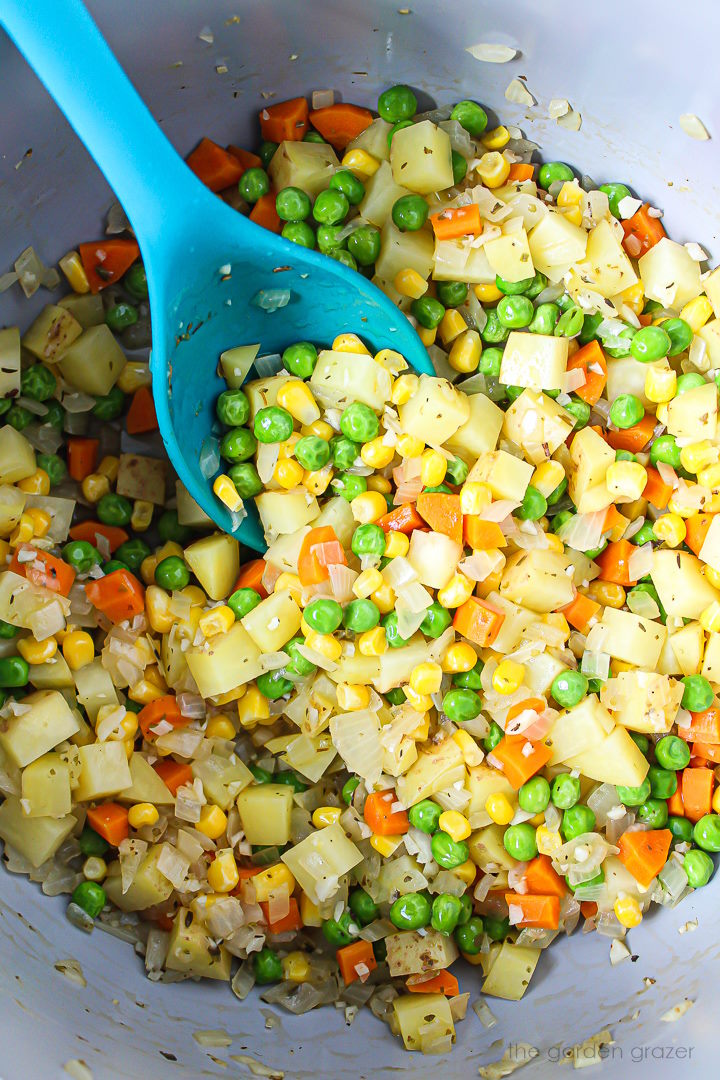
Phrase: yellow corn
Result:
[697,312]
[373,642]
[349,343]
[134,375]
[421,703]
[253,708]
[675,506]
[626,480]
[713,577]
[499,808]
[23,531]
[361,164]
[716,800]
[385,845]
[409,446]
[627,911]
[671,529]
[41,520]
[321,428]
[547,841]
[78,649]
[427,335]
[73,269]
[286,449]
[109,466]
[507,677]
[37,652]
[298,399]
[296,967]
[157,606]
[573,214]
[493,169]
[212,823]
[316,481]
[555,543]
[144,691]
[709,477]
[460,657]
[422,731]
[710,617]
[455,824]
[397,544]
[37,484]
[547,477]
[142,813]
[466,871]
[376,454]
[456,592]
[606,593]
[451,326]
[392,361]
[384,598]
[94,486]
[326,815]
[570,194]
[154,676]
[194,593]
[379,483]
[94,868]
[409,283]
[309,911]
[634,297]
[496,138]
[487,294]
[433,467]
[403,389]
[291,583]
[223,873]
[471,753]
[352,696]
[271,879]
[368,507]
[474,497]
[289,473]
[490,584]
[142,513]
[220,727]
[425,678]
[217,621]
[226,492]
[660,383]
[697,456]
[661,412]
[326,644]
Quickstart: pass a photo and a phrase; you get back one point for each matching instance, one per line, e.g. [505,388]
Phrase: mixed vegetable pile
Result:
[469,694]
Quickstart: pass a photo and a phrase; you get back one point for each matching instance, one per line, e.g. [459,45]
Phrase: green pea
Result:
[14,671]
[272,424]
[471,116]
[121,315]
[37,382]
[647,586]
[653,812]
[663,782]
[447,852]
[494,736]
[672,752]
[446,912]
[579,890]
[253,184]
[626,411]
[513,288]
[641,741]
[267,965]
[634,796]
[109,406]
[437,488]
[436,621]
[313,137]
[246,480]
[556,495]
[560,519]
[267,152]
[570,323]
[533,506]
[699,868]
[569,688]
[616,193]
[466,909]
[132,553]
[650,343]
[135,281]
[170,529]
[490,363]
[514,392]
[291,779]
[299,664]
[496,928]
[544,319]
[344,452]
[55,415]
[410,912]
[273,685]
[396,696]
[451,293]
[664,448]
[262,776]
[368,540]
[349,788]
[112,565]
[706,832]
[534,795]
[698,693]
[238,445]
[232,408]
[565,302]
[428,311]
[461,705]
[89,896]
[493,332]
[312,452]
[299,232]
[364,245]
[327,240]
[91,843]
[619,345]
[349,486]
[300,359]
[459,167]
[689,381]
[514,312]
[242,602]
[397,103]
[681,829]
[19,417]
[553,172]
[323,615]
[644,535]
[392,634]
[346,182]
[114,509]
[292,204]
[82,556]
[565,791]
[8,631]
[359,423]
[577,820]
[361,615]
[425,816]
[519,841]
[680,334]
[589,328]
[472,679]
[172,573]
[469,936]
[54,466]
[331,207]
[457,471]
[363,906]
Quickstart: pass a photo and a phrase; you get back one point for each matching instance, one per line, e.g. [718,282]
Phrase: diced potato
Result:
[711,284]
[421,158]
[190,948]
[104,771]
[399,759]
[435,412]
[581,728]
[146,785]
[512,971]
[486,846]
[710,334]
[628,637]
[682,587]
[434,558]
[410,953]
[433,771]
[555,244]
[537,424]
[303,164]
[262,393]
[49,721]
[22,603]
[395,665]
[590,458]
[538,579]
[265,811]
[9,362]
[341,378]
[643,701]
[222,778]
[285,511]
[479,434]
[149,887]
[482,781]
[423,1020]
[506,475]
[54,674]
[285,551]
[374,139]
[692,416]
[710,551]
[455,261]
[517,621]
[46,787]
[359,668]
[402,303]
[17,456]
[12,504]
[403,251]
[93,363]
[381,194]
[142,478]
[669,275]
[95,688]
[585,569]
[626,376]
[54,330]
[509,255]
[711,660]
[540,670]
[606,267]
[683,651]
[227,661]
[215,562]
[36,838]
[616,760]
[87,308]
[188,511]
[618,879]
[273,622]
[336,512]
[535,360]
[320,860]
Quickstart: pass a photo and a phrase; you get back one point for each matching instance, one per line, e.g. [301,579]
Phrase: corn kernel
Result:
[325,644]
[490,584]
[309,911]
[697,456]
[499,808]
[403,389]
[37,484]
[570,194]
[227,493]
[547,841]
[573,214]
[409,446]
[326,815]
[555,543]
[391,360]
[37,652]
[384,598]
[223,873]
[671,529]
[148,567]
[474,497]
[433,467]
[94,868]
[426,678]
[606,593]
[133,376]
[626,480]
[660,383]
[253,708]
[78,649]
[298,399]
[368,582]
[109,466]
[697,312]
[272,878]
[352,696]
[349,343]
[460,657]
[547,477]
[220,727]
[716,800]
[377,454]
[496,138]
[627,911]
[458,589]
[710,617]
[321,428]
[73,269]
[361,164]
[472,755]
[634,297]
[684,509]
[289,474]
[451,326]
[507,677]
[373,642]
[23,531]
[455,824]
[385,845]
[379,483]
[316,481]
[144,691]
[41,520]
[709,477]
[142,513]
[409,283]
[466,871]
[397,544]
[142,813]
[296,967]
[713,577]
[487,294]
[154,676]
[427,335]
[493,169]
[94,486]
[661,412]
[369,506]
[217,621]
[290,583]
[212,823]
[421,703]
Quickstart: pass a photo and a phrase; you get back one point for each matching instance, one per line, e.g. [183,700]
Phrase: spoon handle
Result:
[63,45]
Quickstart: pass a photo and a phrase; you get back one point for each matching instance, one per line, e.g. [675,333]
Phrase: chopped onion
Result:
[640,562]
[571,121]
[491,53]
[518,93]
[321,99]
[342,579]
[209,456]
[498,511]
[573,380]
[693,126]
[583,532]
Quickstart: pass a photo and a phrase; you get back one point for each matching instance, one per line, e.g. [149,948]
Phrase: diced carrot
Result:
[457,221]
[90,530]
[580,611]
[645,230]
[246,874]
[163,922]
[542,878]
[246,158]
[251,576]
[614,560]
[708,751]
[704,726]
[645,320]
[644,853]
[216,167]
[675,802]
[478,621]
[518,763]
[403,518]
[162,709]
[109,820]
[634,438]
[358,954]
[105,261]
[656,491]
[520,171]
[537,704]
[313,559]
[291,921]
[615,523]
[442,513]
[44,569]
[141,417]
[591,359]
[118,595]
[442,983]
[482,535]
[288,120]
[696,529]
[538,912]
[697,791]
[588,908]
[264,213]
[81,457]
[382,819]
[341,123]
[173,774]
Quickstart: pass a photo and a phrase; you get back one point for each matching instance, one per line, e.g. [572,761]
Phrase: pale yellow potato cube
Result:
[537,424]
[421,158]
[628,637]
[483,780]
[381,194]
[590,458]
[104,771]
[215,562]
[538,579]
[141,477]
[555,244]
[516,623]
[265,811]
[340,378]
[711,659]
[710,334]
[395,665]
[12,504]
[273,622]
[188,511]
[509,255]
[17,456]
[692,416]
[512,971]
[606,268]
[616,760]
[434,558]
[149,886]
[46,787]
[54,674]
[36,838]
[337,513]
[9,362]
[687,645]
[535,360]
[643,700]
[319,861]
[262,393]
[710,551]
[435,412]
[374,139]
[669,275]
[487,849]
[540,670]
[146,785]
[285,511]
[226,661]
[95,688]
[584,726]
[409,953]
[303,164]
[49,721]
[87,308]
[423,1020]
[681,585]
[454,260]
[433,771]
[398,760]
[506,475]
[191,950]
[479,434]
[403,251]
[94,361]
[223,778]
[626,376]
[53,331]
[711,285]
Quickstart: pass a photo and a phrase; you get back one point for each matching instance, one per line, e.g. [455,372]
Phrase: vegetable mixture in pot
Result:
[468,696]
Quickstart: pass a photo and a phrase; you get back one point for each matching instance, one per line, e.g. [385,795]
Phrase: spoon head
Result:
[235,273]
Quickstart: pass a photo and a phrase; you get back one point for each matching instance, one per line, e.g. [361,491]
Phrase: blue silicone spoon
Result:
[187,235]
